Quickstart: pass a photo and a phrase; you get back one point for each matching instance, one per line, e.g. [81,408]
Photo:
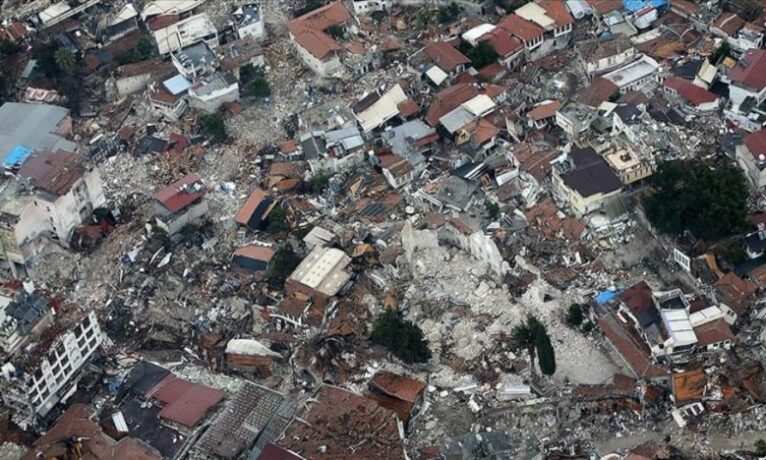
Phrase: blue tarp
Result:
[631,6]
[17,156]
[606,296]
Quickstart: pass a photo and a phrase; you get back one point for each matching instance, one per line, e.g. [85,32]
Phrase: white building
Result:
[52,378]
[362,7]
[250,21]
[53,194]
[209,94]
[180,204]
[163,7]
[318,50]
[185,33]
[748,78]
[636,75]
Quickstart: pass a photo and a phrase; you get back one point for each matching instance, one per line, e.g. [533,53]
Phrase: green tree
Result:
[258,88]
[248,73]
[575,316]
[493,209]
[532,337]
[8,47]
[277,221]
[319,182]
[214,128]
[708,200]
[285,261]
[144,47]
[523,338]
[480,55]
[401,337]
[336,32]
[760,447]
[65,60]
[448,13]
[545,355]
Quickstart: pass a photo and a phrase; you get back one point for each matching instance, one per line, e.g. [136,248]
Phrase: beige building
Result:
[586,183]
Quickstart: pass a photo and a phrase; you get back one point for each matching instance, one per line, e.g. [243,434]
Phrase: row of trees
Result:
[406,341]
[532,336]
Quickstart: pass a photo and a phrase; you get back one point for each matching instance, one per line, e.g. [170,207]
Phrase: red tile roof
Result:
[502,42]
[308,30]
[53,172]
[713,332]
[629,344]
[520,27]
[692,93]
[556,10]
[181,193]
[449,99]
[445,56]
[544,110]
[76,423]
[533,160]
[728,23]
[251,204]
[600,90]
[756,142]
[605,6]
[162,21]
[186,403]
[255,252]
[685,6]
[408,108]
[336,423]
[753,75]
[398,386]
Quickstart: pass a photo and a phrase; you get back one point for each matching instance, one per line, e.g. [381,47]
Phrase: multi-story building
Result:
[249,21]
[50,372]
[195,29]
[318,50]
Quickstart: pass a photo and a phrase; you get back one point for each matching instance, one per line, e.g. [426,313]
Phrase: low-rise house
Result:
[184,404]
[180,204]
[447,58]
[210,93]
[739,34]
[186,32]
[254,214]
[195,61]
[348,413]
[529,33]
[575,119]
[635,76]
[77,423]
[377,108]
[509,49]
[736,295]
[412,140]
[630,163]
[751,157]
[169,98]
[253,418]
[37,381]
[403,395]
[320,275]
[118,24]
[602,55]
[156,8]
[748,78]
[132,78]
[253,259]
[543,114]
[362,7]
[447,192]
[398,171]
[249,21]
[587,183]
[697,98]
[318,50]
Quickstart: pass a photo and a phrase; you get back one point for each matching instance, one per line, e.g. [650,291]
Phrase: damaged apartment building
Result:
[49,189]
